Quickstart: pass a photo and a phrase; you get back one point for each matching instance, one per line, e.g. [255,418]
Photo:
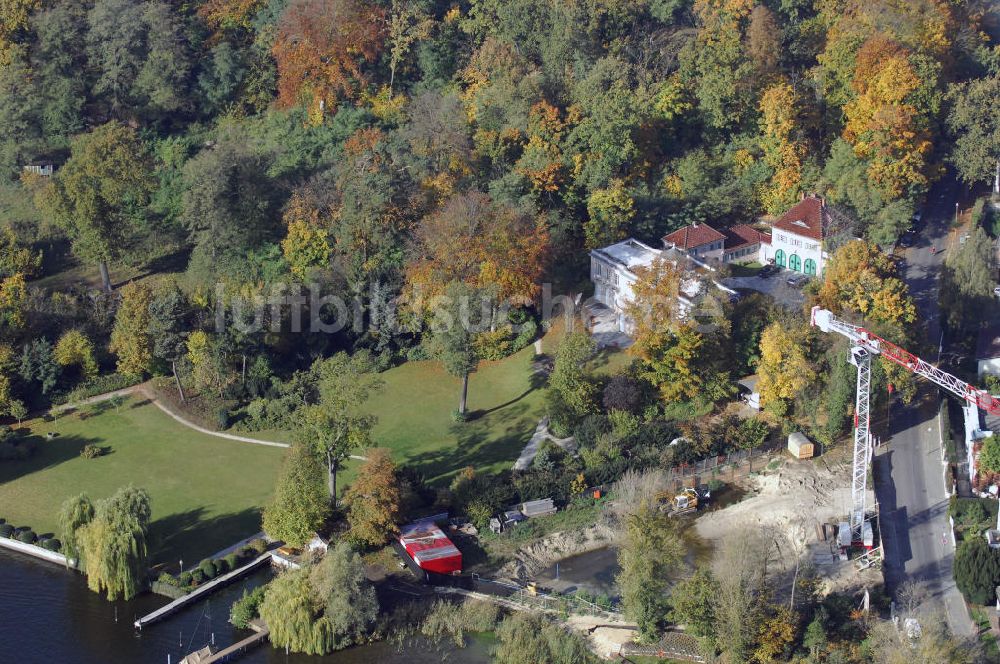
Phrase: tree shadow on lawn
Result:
[191,536]
[484,442]
[536,382]
[48,453]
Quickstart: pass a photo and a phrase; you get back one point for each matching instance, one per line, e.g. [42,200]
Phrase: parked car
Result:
[797,280]
[906,241]
[996,291]
[768,270]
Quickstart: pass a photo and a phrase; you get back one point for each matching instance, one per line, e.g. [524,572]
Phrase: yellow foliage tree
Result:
[130,339]
[305,246]
[75,349]
[609,212]
[883,126]
[860,278]
[784,369]
[199,353]
[782,152]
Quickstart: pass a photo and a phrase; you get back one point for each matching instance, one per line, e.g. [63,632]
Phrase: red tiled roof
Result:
[743,235]
[691,237]
[807,218]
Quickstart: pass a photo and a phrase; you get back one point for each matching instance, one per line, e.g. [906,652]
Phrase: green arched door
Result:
[779,258]
[809,267]
[794,262]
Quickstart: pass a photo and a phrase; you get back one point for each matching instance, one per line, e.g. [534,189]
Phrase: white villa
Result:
[612,271]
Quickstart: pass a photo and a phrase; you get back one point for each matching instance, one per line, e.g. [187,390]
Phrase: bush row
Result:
[26,535]
[211,568]
[94,386]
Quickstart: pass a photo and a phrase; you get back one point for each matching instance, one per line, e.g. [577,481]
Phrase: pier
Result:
[206,656]
[201,591]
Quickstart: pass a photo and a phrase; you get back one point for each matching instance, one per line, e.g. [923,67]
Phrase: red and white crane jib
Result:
[827,322]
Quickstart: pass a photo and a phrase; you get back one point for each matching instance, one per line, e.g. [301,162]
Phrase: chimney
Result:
[694,224]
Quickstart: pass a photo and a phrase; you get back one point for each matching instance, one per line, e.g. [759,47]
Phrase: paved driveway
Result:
[776,286]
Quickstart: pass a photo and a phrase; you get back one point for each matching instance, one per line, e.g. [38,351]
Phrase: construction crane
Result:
[865,345]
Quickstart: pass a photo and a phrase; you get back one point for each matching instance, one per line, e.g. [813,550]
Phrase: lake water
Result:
[47,615]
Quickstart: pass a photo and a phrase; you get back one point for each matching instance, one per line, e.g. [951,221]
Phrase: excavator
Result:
[685,502]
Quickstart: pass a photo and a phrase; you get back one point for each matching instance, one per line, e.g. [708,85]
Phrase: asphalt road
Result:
[909,472]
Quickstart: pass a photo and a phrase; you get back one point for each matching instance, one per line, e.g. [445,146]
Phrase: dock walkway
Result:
[260,634]
[201,591]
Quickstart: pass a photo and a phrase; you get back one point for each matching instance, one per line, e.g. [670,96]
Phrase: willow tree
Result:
[321,609]
[113,544]
[75,513]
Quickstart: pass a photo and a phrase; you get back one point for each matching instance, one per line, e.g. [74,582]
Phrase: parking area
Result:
[776,286]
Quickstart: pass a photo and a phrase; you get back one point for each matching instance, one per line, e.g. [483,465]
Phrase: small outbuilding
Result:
[800,446]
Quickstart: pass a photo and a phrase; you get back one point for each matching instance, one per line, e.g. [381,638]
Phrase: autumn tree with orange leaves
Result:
[322,47]
[482,243]
[883,124]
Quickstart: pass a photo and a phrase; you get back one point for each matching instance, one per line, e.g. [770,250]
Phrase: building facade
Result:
[612,270]
[797,237]
[797,240]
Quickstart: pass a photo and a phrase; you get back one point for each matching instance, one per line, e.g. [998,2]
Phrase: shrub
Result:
[91,451]
[207,568]
[95,386]
[197,576]
[232,561]
[167,578]
[977,570]
[459,416]
[52,544]
[715,485]
[246,608]
[27,536]
[184,579]
[527,334]
[6,530]
[259,545]
[494,345]
[221,566]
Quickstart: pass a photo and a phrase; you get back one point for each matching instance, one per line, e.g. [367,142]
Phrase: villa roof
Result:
[692,237]
[629,254]
[743,235]
[808,218]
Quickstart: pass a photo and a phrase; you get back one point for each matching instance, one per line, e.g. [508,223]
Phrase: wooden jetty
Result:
[206,656]
[201,591]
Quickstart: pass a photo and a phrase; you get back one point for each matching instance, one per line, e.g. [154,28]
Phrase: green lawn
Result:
[205,492]
[414,411]
[506,400]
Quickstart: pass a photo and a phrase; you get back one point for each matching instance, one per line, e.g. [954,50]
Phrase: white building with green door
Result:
[798,238]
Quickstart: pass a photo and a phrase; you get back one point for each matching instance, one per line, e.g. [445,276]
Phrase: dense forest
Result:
[384,148]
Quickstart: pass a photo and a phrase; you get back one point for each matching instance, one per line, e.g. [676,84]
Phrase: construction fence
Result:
[725,467]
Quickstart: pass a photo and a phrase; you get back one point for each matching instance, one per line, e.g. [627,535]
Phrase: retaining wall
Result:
[36,551]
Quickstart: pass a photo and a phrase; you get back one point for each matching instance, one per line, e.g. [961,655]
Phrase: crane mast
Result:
[865,345]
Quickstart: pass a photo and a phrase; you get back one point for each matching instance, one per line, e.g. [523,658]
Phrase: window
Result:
[779,258]
[794,262]
[809,267]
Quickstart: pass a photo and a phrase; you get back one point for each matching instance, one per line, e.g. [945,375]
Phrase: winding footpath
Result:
[142,390]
